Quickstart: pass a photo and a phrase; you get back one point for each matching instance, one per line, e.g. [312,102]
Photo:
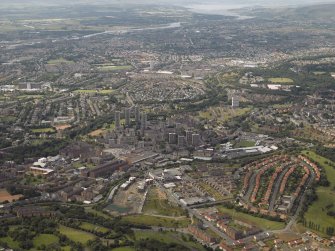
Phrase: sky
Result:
[181,2]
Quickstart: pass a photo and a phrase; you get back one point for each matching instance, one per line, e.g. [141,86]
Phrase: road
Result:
[277,187]
[252,182]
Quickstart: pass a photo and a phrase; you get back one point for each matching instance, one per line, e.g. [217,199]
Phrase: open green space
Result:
[280,80]
[157,221]
[317,212]
[45,239]
[223,114]
[92,227]
[76,235]
[59,61]
[43,130]
[262,223]
[123,249]
[97,213]
[88,91]
[157,203]
[168,237]
[106,68]
[10,242]
[7,119]
[244,143]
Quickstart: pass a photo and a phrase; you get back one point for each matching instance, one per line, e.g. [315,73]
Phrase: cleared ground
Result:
[157,203]
[127,201]
[4,195]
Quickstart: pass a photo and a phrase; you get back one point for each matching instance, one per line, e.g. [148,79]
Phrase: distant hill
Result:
[323,12]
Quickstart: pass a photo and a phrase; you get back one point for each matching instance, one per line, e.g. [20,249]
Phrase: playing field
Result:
[88,91]
[280,80]
[107,68]
[45,239]
[59,61]
[76,235]
[43,130]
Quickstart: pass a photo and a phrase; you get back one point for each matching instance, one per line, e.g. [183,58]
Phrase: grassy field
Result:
[244,143]
[59,61]
[107,68]
[7,119]
[123,249]
[90,227]
[257,221]
[45,239]
[98,213]
[43,130]
[223,114]
[94,91]
[167,237]
[280,80]
[10,242]
[76,235]
[157,203]
[157,221]
[317,212]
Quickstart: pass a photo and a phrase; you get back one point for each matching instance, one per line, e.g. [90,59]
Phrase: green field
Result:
[89,91]
[97,213]
[167,237]
[43,130]
[123,249]
[7,119]
[280,80]
[223,114]
[10,242]
[244,143]
[317,212]
[257,221]
[45,239]
[92,227]
[157,203]
[59,61]
[107,68]
[156,221]
[76,235]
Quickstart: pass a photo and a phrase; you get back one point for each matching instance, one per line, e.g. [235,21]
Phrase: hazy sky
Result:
[180,2]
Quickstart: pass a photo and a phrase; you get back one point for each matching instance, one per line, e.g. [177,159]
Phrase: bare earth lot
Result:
[4,195]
